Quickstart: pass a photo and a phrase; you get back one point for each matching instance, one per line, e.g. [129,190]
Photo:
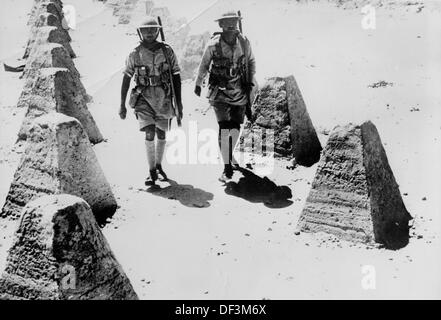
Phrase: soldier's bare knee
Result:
[235,125]
[160,133]
[150,132]
[224,124]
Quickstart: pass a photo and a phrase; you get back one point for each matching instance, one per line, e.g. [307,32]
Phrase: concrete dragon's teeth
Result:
[57,89]
[59,159]
[354,194]
[59,253]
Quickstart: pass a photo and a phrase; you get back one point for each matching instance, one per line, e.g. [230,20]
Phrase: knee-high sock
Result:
[160,148]
[151,154]
[224,145]
[234,134]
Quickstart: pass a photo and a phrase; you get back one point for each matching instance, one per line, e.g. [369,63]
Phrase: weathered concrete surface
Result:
[306,145]
[59,252]
[59,159]
[163,12]
[279,106]
[271,112]
[48,56]
[49,34]
[123,9]
[354,194]
[57,89]
[45,19]
[41,6]
[149,6]
[192,55]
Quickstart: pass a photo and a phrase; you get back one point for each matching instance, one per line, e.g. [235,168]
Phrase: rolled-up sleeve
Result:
[204,65]
[130,65]
[173,61]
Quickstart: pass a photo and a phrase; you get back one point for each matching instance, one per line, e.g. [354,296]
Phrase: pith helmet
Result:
[149,22]
[228,15]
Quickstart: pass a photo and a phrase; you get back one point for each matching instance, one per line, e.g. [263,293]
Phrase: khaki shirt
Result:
[155,61]
[233,94]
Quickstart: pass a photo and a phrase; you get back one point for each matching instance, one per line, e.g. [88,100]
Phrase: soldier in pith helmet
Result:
[230,63]
[149,64]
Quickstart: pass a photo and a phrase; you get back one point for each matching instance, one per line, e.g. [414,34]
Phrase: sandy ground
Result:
[192,240]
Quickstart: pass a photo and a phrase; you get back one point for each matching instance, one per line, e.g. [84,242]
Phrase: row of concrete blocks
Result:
[52,82]
[58,233]
[354,194]
[53,88]
[60,197]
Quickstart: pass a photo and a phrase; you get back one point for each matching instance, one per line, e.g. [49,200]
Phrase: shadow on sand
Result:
[186,194]
[259,190]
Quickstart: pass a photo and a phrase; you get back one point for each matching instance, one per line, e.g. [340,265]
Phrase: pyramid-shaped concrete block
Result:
[306,145]
[279,106]
[57,89]
[48,34]
[45,19]
[49,18]
[59,159]
[54,7]
[47,56]
[354,194]
[45,13]
[59,253]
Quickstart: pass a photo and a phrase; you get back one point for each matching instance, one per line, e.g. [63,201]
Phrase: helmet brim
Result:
[149,27]
[228,17]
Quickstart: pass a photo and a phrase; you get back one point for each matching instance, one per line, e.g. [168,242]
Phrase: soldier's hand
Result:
[197,90]
[122,112]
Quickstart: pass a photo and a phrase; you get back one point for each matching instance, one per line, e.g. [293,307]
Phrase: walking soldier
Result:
[230,62]
[152,97]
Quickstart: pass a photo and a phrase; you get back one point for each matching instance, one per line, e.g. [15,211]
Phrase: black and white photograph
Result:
[220,150]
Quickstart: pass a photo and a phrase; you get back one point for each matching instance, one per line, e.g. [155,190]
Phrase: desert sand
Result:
[192,240]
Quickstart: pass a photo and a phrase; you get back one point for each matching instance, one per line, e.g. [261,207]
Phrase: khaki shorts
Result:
[146,116]
[228,112]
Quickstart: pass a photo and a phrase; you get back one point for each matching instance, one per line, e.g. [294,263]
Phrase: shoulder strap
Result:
[137,56]
[243,44]
[166,50]
[218,48]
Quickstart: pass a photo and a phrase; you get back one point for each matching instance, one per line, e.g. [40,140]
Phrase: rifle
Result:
[170,75]
[247,81]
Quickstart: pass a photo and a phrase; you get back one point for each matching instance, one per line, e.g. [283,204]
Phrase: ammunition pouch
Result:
[243,73]
[221,74]
[143,79]
[134,96]
[222,71]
